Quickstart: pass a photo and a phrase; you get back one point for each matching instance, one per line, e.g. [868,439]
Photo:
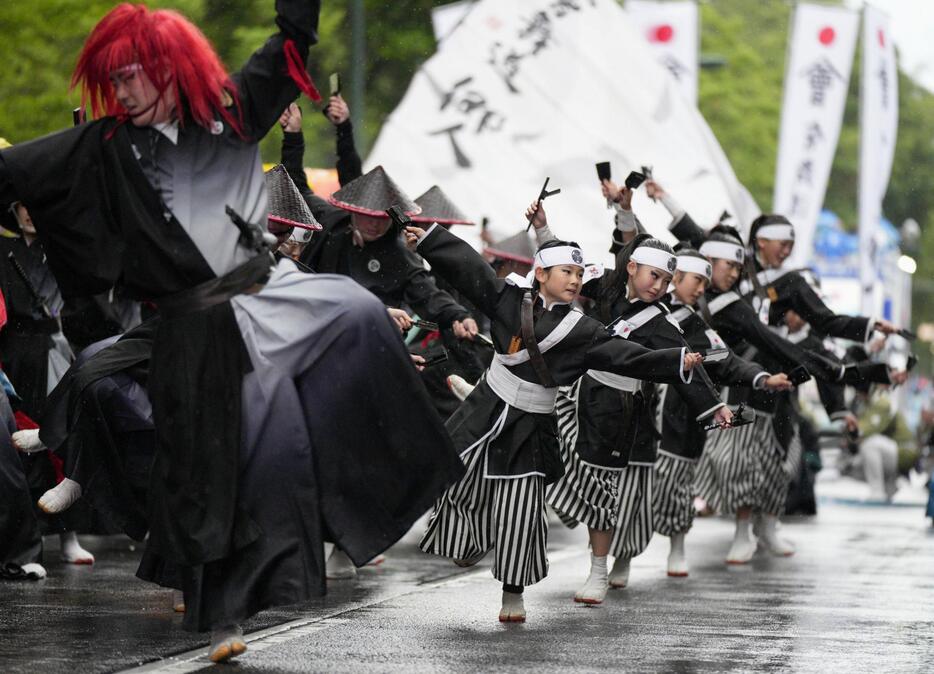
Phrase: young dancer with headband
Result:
[506,428]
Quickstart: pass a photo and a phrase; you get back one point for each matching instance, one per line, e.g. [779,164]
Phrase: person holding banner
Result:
[506,428]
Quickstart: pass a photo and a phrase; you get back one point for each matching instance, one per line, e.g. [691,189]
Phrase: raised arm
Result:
[682,225]
[264,85]
[427,299]
[812,309]
[623,357]
[461,266]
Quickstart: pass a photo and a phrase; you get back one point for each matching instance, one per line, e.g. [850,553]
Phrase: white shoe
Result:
[72,552]
[178,601]
[459,387]
[513,610]
[744,543]
[61,497]
[619,576]
[226,643]
[339,566]
[677,562]
[34,571]
[773,542]
[28,441]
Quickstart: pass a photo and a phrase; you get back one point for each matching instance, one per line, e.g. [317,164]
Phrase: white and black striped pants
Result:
[507,516]
[744,469]
[673,502]
[634,520]
[585,494]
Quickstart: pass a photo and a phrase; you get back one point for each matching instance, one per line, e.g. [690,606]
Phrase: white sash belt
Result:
[518,392]
[617,381]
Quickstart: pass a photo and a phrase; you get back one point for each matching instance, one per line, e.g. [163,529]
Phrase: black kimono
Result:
[265,403]
[506,429]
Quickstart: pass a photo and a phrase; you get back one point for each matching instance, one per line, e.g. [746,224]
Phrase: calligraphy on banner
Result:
[816,80]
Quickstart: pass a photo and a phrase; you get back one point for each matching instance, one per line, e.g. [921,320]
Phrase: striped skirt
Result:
[477,515]
[673,502]
[585,494]
[744,469]
[634,519]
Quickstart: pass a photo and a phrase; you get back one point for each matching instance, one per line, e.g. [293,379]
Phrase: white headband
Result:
[723,250]
[695,265]
[552,257]
[655,257]
[777,232]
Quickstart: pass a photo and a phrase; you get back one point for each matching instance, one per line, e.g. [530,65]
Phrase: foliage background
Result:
[740,100]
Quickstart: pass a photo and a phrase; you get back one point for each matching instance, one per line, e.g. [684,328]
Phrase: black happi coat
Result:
[681,435]
[528,443]
[102,224]
[785,289]
[617,428]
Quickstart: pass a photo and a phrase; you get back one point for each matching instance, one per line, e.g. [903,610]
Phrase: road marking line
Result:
[197,659]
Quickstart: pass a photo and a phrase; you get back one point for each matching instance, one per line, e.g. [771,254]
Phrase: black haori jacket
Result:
[616,427]
[103,224]
[785,289]
[681,434]
[525,443]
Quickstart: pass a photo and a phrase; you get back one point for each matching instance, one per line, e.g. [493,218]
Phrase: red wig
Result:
[172,52]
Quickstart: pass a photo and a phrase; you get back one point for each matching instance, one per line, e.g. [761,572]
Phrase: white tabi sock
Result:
[61,497]
[226,643]
[72,552]
[339,566]
[513,610]
[460,387]
[744,543]
[677,562]
[774,543]
[594,590]
[34,571]
[28,441]
[619,576]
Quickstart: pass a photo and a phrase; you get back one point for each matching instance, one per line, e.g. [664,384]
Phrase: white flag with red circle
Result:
[672,31]
[817,77]
[878,122]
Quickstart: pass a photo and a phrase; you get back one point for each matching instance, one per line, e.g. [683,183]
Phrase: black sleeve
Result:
[688,230]
[349,166]
[811,308]
[734,370]
[701,398]
[427,299]
[624,357]
[293,159]
[740,318]
[461,266]
[264,87]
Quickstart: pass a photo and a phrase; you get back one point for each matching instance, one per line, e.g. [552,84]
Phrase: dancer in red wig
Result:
[261,378]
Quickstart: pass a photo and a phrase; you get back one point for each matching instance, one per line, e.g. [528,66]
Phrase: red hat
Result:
[436,207]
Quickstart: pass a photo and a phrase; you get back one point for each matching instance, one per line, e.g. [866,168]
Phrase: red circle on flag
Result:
[881,38]
[826,35]
[662,33]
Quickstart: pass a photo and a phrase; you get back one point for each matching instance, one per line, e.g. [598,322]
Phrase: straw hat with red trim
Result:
[436,207]
[286,204]
[517,248]
[372,194]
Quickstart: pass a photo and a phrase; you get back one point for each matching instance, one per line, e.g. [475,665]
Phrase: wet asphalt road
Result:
[858,597]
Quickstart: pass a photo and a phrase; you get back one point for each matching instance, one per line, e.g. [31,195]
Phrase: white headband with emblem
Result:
[723,250]
[655,257]
[559,255]
[695,265]
[776,232]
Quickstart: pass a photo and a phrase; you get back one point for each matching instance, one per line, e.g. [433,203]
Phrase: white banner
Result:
[817,76]
[878,122]
[672,30]
[530,89]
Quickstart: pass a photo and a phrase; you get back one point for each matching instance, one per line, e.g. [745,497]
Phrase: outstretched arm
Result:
[264,86]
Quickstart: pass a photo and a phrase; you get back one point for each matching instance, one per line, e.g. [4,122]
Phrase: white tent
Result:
[528,89]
